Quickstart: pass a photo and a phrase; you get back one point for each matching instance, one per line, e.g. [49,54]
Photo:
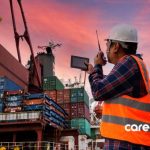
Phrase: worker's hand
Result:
[98,110]
[100,59]
[90,67]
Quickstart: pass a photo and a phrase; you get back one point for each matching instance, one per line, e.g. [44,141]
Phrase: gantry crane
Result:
[24,36]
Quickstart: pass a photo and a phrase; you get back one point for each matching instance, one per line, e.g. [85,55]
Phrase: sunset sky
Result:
[73,24]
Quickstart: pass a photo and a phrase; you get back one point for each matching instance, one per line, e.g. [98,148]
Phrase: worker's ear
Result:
[116,47]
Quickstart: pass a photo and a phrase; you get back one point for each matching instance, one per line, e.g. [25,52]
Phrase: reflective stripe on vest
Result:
[126,110]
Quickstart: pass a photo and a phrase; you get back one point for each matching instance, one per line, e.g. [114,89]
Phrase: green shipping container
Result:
[79,95]
[82,124]
[52,83]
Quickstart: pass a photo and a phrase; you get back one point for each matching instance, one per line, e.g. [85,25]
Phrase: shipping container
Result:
[67,108]
[67,95]
[33,107]
[14,98]
[63,96]
[79,95]
[52,83]
[8,85]
[19,116]
[79,110]
[13,103]
[34,96]
[13,69]
[33,102]
[83,125]
[14,92]
[1,106]
[13,109]
[52,94]
[60,96]
[47,98]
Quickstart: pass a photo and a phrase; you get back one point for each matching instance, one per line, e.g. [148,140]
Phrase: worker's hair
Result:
[128,47]
[131,48]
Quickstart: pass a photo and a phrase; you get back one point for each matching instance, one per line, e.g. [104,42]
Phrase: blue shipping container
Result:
[8,85]
[1,106]
[14,98]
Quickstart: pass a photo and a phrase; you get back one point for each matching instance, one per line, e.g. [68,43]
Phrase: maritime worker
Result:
[125,91]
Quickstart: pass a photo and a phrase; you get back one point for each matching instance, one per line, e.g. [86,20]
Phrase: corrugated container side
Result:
[10,67]
[79,95]
[60,96]
[67,108]
[67,95]
[33,102]
[83,111]
[14,98]
[13,109]
[79,110]
[1,105]
[32,107]
[52,83]
[83,125]
[7,85]
[83,96]
[74,110]
[52,94]
[13,103]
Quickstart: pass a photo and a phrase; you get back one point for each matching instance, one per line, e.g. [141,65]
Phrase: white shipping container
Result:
[2,117]
[22,116]
[19,116]
[34,115]
[11,116]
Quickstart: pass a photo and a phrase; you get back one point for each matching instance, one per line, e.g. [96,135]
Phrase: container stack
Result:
[51,111]
[10,95]
[13,101]
[80,115]
[76,103]
[8,85]
[52,83]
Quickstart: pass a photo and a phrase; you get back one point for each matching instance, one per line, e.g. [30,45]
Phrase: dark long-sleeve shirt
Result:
[125,78]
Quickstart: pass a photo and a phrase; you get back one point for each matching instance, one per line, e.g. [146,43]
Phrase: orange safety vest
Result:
[125,117]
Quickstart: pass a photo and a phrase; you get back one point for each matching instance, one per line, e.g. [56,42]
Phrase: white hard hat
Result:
[123,33]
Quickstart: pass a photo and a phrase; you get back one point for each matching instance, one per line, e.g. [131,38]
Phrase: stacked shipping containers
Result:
[76,103]
[13,100]
[10,103]
[80,115]
[50,110]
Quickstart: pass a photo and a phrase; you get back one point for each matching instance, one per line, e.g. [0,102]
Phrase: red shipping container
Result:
[67,95]
[33,102]
[67,108]
[11,68]
[74,110]
[52,95]
[13,109]
[83,111]
[79,110]
[60,96]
